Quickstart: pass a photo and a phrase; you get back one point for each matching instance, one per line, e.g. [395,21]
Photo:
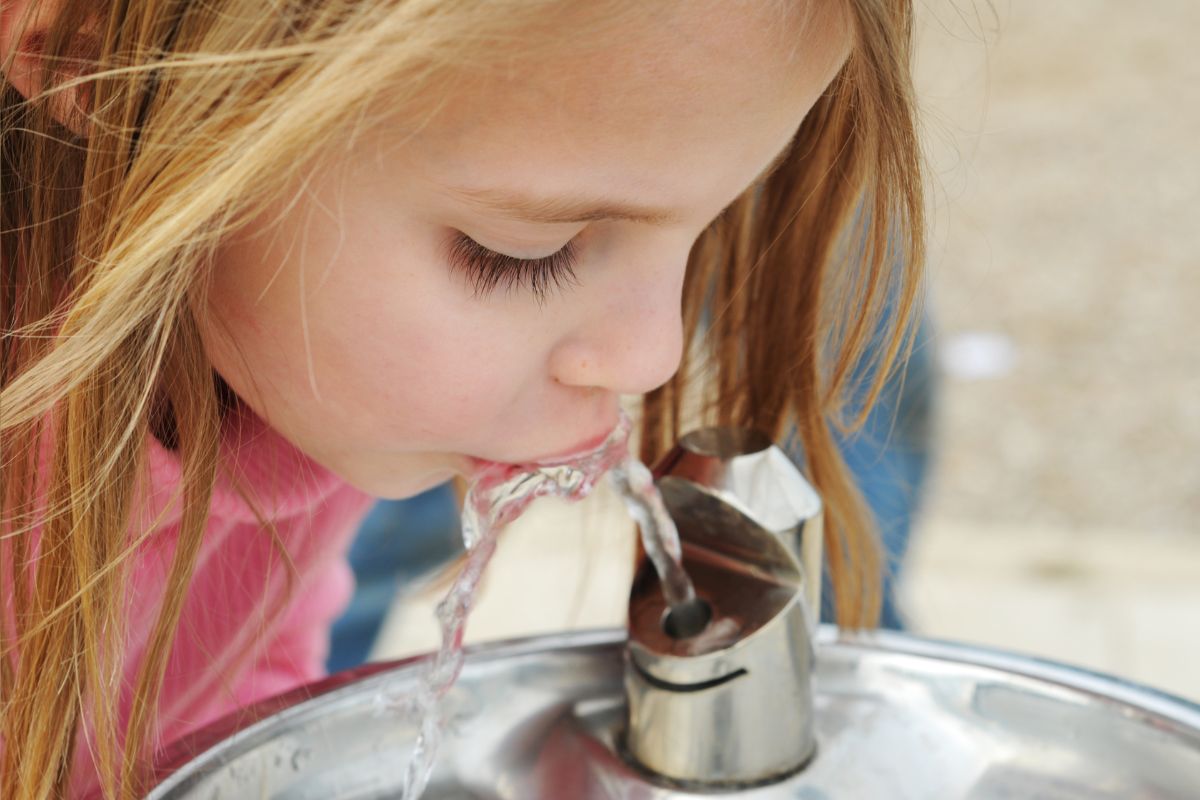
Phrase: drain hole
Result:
[687,619]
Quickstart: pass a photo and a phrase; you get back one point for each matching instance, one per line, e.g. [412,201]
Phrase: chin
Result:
[391,487]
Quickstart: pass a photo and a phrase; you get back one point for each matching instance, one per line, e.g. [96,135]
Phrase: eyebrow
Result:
[579,209]
[561,210]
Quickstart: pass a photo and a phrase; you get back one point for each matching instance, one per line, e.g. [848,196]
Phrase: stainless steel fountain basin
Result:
[541,719]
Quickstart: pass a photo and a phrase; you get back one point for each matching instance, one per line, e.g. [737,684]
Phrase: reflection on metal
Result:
[897,718]
[730,706]
[744,469]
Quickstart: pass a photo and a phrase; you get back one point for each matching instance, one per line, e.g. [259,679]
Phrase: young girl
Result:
[265,260]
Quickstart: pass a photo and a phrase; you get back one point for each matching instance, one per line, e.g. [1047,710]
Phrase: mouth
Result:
[582,449]
[577,451]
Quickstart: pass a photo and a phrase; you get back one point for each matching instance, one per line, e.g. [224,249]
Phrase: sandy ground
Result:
[1064,517]
[1066,203]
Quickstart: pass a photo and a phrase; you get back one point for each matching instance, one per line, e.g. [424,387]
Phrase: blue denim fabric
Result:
[399,540]
[889,458]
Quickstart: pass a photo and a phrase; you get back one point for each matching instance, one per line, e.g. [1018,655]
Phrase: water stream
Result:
[498,494]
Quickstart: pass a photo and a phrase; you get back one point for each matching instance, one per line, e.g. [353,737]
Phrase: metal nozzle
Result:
[723,696]
[746,470]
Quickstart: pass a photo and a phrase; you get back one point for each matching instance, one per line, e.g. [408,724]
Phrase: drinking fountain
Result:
[743,662]
[741,694]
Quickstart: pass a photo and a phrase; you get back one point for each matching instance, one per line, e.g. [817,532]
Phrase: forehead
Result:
[678,94]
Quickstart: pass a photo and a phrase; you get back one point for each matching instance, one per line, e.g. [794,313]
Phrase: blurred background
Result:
[1063,511]
[1061,517]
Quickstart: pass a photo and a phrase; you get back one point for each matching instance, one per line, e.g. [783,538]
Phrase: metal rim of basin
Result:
[209,748]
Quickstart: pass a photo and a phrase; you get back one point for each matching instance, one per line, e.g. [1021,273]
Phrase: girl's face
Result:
[365,319]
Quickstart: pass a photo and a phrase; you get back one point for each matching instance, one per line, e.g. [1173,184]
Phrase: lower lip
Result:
[583,449]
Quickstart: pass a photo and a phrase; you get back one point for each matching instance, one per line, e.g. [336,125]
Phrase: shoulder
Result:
[260,476]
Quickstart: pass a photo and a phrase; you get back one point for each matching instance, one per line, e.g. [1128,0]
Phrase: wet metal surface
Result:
[897,717]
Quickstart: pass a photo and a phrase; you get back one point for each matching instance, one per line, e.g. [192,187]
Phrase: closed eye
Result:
[488,270]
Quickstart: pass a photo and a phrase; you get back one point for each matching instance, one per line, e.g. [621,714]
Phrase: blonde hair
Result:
[196,115]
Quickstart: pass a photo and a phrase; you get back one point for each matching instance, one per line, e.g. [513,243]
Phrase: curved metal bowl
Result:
[897,717]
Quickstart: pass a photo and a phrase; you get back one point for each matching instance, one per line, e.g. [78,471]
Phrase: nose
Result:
[630,340]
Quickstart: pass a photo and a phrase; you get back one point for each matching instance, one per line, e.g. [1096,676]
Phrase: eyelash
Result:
[488,270]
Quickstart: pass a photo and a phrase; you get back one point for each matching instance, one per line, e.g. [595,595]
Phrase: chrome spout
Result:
[730,705]
[745,469]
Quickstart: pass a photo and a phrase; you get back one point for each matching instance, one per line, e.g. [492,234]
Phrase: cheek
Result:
[411,353]
[359,330]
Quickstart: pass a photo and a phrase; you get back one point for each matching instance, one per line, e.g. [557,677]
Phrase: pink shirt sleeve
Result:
[297,650]
[231,648]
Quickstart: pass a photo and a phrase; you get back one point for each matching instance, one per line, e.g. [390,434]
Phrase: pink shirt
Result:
[223,657]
